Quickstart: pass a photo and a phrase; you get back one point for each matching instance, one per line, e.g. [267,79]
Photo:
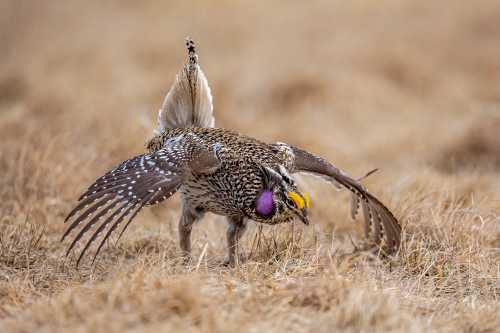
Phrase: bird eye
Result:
[290,202]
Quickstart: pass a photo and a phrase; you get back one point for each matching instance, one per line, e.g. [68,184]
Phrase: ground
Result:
[410,87]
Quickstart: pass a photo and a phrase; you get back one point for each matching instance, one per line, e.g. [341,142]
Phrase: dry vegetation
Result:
[410,87]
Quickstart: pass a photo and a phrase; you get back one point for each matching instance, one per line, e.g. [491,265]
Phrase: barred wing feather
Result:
[137,182]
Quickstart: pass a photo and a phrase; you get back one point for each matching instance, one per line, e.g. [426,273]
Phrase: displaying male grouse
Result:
[214,170]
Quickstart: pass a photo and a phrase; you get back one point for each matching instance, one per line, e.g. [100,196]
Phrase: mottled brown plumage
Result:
[214,170]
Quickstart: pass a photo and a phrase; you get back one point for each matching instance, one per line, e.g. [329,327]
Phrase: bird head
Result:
[280,200]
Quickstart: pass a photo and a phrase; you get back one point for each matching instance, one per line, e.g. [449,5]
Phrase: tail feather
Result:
[189,101]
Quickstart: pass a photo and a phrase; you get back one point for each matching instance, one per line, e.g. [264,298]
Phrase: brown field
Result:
[410,87]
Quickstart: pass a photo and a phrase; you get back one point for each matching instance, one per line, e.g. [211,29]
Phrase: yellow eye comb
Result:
[300,201]
[307,199]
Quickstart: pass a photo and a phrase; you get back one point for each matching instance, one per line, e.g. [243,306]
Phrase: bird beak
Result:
[304,219]
[303,203]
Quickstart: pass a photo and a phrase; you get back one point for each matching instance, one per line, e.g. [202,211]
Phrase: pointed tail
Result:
[189,101]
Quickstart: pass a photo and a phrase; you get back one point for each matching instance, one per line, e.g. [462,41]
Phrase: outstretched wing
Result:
[380,223]
[140,181]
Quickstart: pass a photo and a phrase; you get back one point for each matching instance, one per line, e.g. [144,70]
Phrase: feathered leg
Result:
[236,229]
[188,218]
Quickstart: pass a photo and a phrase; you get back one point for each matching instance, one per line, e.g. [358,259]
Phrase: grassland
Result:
[410,87]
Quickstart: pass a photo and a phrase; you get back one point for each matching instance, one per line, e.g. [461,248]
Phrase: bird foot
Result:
[187,258]
[234,261]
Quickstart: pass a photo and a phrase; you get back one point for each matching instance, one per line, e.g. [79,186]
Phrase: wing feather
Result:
[129,207]
[135,183]
[380,223]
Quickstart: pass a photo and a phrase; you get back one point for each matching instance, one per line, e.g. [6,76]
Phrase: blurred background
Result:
[410,87]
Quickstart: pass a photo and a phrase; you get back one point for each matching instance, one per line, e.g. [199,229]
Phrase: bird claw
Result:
[187,259]
[232,262]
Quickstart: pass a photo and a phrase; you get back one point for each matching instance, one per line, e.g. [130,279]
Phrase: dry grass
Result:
[410,87]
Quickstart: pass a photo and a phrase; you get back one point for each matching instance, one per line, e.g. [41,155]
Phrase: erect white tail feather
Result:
[189,101]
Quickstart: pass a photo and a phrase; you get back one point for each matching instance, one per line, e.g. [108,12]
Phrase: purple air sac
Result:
[264,203]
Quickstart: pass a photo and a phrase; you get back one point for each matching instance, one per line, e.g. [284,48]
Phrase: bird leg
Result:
[188,218]
[235,230]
